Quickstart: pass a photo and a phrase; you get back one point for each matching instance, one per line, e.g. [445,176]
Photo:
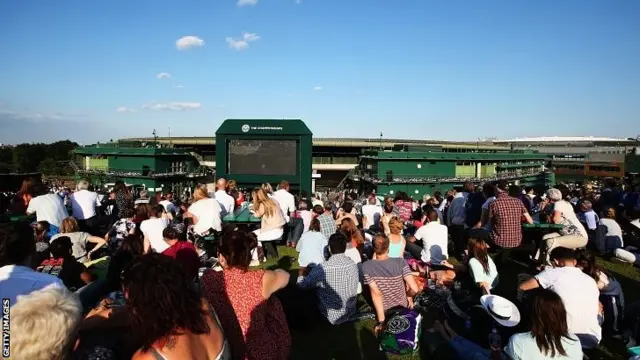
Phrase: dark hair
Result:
[562,253]
[328,207]
[477,248]
[338,243]
[127,212]
[514,190]
[162,300]
[17,243]
[60,247]
[432,214]
[529,189]
[587,262]
[318,210]
[156,210]
[133,244]
[549,322]
[347,207]
[489,190]
[380,244]
[170,233]
[388,209]
[142,211]
[119,186]
[236,247]
[38,189]
[314,225]
[41,228]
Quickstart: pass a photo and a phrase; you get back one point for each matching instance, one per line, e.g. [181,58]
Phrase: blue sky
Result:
[421,69]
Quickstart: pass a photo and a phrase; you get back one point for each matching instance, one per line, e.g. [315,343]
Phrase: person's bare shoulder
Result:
[143,355]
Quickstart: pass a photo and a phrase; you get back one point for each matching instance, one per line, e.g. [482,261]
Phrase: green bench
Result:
[241,216]
[543,226]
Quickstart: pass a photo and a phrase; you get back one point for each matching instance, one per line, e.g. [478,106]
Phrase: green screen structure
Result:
[253,152]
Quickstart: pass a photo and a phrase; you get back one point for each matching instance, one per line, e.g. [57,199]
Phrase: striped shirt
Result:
[388,275]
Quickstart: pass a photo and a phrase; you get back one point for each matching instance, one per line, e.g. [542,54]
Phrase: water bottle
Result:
[495,345]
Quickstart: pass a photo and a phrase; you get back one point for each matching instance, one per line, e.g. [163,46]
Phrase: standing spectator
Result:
[371,213]
[121,229]
[435,239]
[287,203]
[123,197]
[143,199]
[21,200]
[168,204]
[47,207]
[17,245]
[456,217]
[506,214]
[226,201]
[336,283]
[83,207]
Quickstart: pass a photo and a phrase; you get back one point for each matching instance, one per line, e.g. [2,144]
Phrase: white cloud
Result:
[242,43]
[247,2]
[317,88]
[179,86]
[41,116]
[124,109]
[163,75]
[187,42]
[173,106]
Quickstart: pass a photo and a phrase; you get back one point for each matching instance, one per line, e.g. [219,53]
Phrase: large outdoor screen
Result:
[262,157]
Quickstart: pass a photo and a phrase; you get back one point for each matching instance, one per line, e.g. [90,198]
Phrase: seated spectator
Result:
[181,250]
[152,230]
[16,277]
[177,322]
[143,199]
[44,324]
[205,212]
[47,207]
[304,214]
[311,246]
[609,238]
[386,216]
[371,213]
[397,243]
[251,316]
[347,211]
[79,239]
[336,283]
[41,233]
[130,247]
[355,246]
[21,200]
[572,235]
[121,229]
[325,216]
[611,295]
[587,216]
[388,280]
[142,213]
[167,203]
[435,239]
[63,265]
[579,293]
[479,264]
[226,201]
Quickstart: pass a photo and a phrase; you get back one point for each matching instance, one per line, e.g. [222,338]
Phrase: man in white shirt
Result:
[226,201]
[47,207]
[456,217]
[579,293]
[287,203]
[83,207]
[16,275]
[371,213]
[435,238]
[152,230]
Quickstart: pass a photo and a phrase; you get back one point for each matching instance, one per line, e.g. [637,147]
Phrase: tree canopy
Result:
[49,159]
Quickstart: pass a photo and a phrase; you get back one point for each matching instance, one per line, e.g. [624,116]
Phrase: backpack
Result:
[401,332]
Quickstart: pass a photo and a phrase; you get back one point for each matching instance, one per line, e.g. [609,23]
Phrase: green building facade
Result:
[418,172]
[143,167]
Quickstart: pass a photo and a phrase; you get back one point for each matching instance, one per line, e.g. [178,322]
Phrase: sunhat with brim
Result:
[503,311]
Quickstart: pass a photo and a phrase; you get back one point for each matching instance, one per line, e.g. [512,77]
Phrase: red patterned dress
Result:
[255,328]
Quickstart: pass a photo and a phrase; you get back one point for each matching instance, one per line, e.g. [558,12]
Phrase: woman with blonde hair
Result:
[267,188]
[397,243]
[205,212]
[272,221]
[79,239]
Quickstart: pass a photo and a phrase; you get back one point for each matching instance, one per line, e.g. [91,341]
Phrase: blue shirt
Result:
[311,248]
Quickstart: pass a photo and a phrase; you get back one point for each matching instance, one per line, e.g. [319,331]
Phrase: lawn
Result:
[355,341]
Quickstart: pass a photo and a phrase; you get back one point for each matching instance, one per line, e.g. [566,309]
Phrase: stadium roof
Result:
[565,139]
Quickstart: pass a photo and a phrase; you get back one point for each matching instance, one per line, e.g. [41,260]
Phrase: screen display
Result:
[262,157]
